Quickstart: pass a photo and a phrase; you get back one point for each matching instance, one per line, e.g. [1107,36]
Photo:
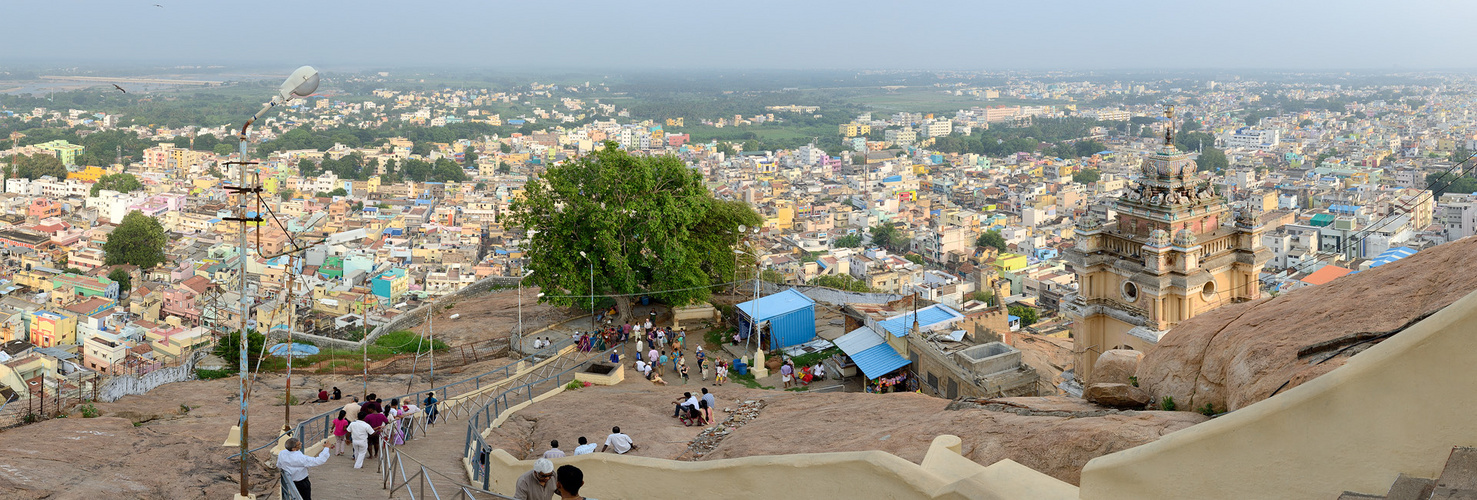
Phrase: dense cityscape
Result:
[636,251]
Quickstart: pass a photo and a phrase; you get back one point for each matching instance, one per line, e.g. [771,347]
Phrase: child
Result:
[684,373]
[721,375]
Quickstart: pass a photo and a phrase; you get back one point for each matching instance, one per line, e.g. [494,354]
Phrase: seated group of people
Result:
[697,409]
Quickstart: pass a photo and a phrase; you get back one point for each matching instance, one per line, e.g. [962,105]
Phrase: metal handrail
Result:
[476,449]
[321,424]
[464,491]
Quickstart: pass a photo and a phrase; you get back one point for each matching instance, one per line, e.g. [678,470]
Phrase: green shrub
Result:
[88,411]
[798,389]
[213,374]
[1207,410]
[1167,404]
[405,342]
[1133,381]
[815,357]
[572,385]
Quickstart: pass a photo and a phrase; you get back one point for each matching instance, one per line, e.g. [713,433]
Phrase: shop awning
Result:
[878,361]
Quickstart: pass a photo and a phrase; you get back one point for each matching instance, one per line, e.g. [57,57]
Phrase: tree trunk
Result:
[623,309]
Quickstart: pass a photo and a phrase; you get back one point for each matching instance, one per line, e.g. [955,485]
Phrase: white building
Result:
[905,136]
[1250,138]
[937,128]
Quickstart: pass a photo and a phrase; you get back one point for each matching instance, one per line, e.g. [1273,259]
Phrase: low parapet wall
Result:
[1398,407]
[944,474]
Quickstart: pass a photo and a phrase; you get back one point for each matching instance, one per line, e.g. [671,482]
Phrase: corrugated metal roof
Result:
[858,340]
[1391,255]
[778,304]
[878,361]
[928,316]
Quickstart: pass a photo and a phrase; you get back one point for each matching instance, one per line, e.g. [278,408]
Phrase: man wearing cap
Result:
[536,484]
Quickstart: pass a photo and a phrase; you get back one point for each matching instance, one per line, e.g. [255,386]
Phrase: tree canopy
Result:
[1213,160]
[123,183]
[849,241]
[35,166]
[124,280]
[1028,315]
[991,239]
[647,224]
[139,240]
[841,282]
[1087,176]
[886,236]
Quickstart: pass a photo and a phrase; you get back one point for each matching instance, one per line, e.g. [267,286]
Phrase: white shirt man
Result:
[641,366]
[360,430]
[584,448]
[295,465]
[820,370]
[620,442]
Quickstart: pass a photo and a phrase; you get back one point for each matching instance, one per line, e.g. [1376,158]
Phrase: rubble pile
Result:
[709,439]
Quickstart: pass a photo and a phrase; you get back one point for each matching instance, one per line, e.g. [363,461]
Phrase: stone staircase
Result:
[1458,481]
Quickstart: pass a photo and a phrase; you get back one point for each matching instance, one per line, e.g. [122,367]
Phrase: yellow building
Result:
[1136,281]
[1007,262]
[52,329]
[854,129]
[89,174]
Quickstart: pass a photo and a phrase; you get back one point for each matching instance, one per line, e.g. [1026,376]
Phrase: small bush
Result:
[184,408]
[406,342]
[449,306]
[1207,410]
[572,385]
[1167,404]
[1133,381]
[31,418]
[798,389]
[213,374]
[89,411]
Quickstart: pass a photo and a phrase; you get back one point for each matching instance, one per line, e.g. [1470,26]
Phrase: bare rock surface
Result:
[1055,435]
[1116,395]
[165,444]
[1114,366]
[1243,353]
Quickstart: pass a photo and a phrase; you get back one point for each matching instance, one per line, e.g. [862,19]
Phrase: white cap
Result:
[543,466]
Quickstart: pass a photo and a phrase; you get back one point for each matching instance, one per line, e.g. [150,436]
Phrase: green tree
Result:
[1087,176]
[229,348]
[727,149]
[886,236]
[124,280]
[481,186]
[849,241]
[991,238]
[123,183]
[139,240]
[1448,182]
[646,223]
[985,296]
[772,276]
[504,168]
[914,258]
[286,194]
[1027,315]
[205,142]
[223,149]
[469,156]
[1212,160]
[447,170]
[505,147]
[423,149]
[36,166]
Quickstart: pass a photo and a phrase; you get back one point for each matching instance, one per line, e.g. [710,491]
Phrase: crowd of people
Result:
[542,482]
[360,426]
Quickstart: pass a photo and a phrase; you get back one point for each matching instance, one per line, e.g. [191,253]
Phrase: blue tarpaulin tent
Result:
[790,314]
[280,349]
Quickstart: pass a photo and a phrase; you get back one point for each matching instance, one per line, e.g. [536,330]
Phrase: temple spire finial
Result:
[1169,131]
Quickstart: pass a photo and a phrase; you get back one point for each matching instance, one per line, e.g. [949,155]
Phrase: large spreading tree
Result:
[138,240]
[123,183]
[647,223]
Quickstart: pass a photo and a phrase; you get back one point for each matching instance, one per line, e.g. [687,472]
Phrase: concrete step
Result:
[1459,479]
[1411,488]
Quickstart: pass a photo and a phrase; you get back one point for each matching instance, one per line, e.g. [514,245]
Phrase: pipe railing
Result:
[320,426]
[476,449]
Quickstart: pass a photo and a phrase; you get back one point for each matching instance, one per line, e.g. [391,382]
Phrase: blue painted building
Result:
[790,315]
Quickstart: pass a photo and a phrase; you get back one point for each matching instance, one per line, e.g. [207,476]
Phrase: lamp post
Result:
[301,83]
[592,289]
[518,342]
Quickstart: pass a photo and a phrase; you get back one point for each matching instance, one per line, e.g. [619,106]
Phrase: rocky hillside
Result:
[1244,353]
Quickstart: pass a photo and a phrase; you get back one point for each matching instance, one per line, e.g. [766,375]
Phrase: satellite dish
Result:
[301,83]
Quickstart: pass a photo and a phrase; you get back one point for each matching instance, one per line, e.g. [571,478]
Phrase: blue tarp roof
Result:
[777,305]
[1391,255]
[878,361]
[858,340]
[928,316]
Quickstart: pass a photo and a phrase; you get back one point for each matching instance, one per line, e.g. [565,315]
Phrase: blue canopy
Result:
[281,349]
[878,361]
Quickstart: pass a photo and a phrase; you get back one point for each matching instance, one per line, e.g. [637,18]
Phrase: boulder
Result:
[1239,354]
[1116,395]
[1114,366]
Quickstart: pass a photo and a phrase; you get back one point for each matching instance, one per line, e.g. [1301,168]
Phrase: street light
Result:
[518,341]
[592,289]
[301,83]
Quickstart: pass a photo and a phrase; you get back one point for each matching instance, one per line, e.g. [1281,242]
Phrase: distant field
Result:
[703,133]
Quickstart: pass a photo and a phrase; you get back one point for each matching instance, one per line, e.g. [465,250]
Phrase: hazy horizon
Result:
[761,35]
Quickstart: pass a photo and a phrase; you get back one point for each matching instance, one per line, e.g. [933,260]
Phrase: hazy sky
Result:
[821,34]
